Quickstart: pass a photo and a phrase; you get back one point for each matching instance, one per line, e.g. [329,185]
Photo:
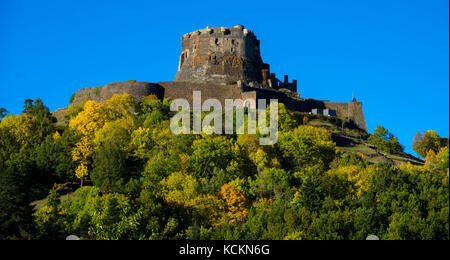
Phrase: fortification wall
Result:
[85,94]
[178,89]
[351,110]
[185,90]
[138,90]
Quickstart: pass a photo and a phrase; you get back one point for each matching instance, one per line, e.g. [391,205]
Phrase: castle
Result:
[225,63]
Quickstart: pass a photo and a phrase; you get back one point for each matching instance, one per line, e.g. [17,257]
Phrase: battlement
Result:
[235,31]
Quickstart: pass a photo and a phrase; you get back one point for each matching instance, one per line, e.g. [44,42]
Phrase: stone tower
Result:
[220,55]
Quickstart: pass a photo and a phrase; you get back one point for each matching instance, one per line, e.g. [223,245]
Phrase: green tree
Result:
[286,120]
[272,183]
[15,210]
[3,113]
[51,220]
[210,153]
[54,155]
[310,193]
[36,108]
[306,146]
[385,141]
[109,167]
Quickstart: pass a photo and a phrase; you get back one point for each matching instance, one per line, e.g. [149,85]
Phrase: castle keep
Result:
[225,63]
[225,55]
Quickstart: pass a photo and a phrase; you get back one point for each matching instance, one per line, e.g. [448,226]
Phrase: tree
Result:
[42,113]
[235,204]
[120,106]
[180,188]
[272,183]
[109,217]
[109,160]
[51,218]
[54,155]
[141,142]
[82,152]
[3,113]
[91,119]
[152,103]
[306,146]
[87,122]
[426,141]
[153,111]
[36,108]
[286,120]
[24,129]
[310,193]
[385,141]
[439,161]
[210,153]
[15,209]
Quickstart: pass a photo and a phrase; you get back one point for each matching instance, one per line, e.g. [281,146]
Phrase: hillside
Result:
[119,172]
[353,140]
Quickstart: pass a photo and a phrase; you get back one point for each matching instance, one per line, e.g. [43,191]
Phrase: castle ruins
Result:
[225,63]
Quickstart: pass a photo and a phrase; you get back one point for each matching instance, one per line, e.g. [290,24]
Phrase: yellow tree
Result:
[88,122]
[180,188]
[117,111]
[235,204]
[438,161]
[23,128]
[91,119]
[361,178]
[120,106]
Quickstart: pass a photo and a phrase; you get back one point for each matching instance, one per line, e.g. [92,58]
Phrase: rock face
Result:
[220,55]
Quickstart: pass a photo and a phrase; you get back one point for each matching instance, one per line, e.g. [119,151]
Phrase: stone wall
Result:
[138,90]
[350,110]
[85,94]
[220,55]
[179,89]
[174,90]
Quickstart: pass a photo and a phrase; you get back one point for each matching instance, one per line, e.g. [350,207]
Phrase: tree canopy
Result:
[141,181]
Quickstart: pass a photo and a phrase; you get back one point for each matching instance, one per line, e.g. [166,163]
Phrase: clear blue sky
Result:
[393,55]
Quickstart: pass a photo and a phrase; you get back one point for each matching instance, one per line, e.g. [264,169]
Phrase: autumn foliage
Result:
[141,181]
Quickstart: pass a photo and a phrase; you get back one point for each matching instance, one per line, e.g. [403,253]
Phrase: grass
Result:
[67,191]
[38,204]
[354,141]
